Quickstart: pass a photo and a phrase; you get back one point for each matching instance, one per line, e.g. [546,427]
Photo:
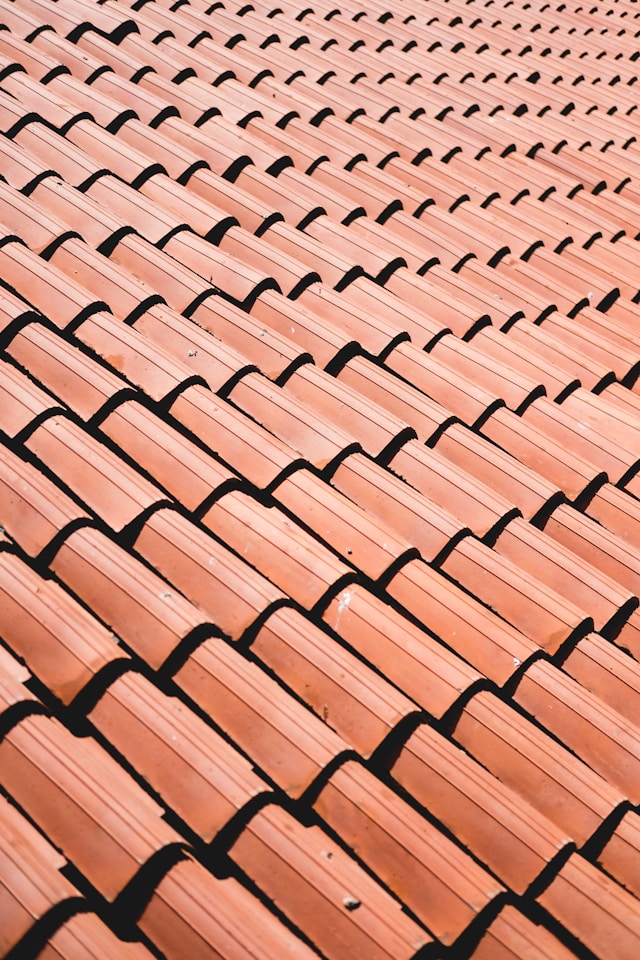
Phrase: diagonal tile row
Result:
[319,552]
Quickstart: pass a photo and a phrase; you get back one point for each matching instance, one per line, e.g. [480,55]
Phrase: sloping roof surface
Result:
[319,480]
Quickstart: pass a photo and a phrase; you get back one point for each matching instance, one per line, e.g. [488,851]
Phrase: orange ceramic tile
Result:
[277,547]
[380,432]
[503,380]
[34,509]
[253,210]
[278,316]
[512,936]
[81,383]
[33,882]
[22,404]
[602,667]
[85,931]
[291,276]
[620,853]
[333,268]
[566,469]
[608,602]
[176,463]
[354,533]
[210,360]
[78,210]
[477,507]
[192,910]
[596,732]
[206,219]
[108,485]
[618,512]
[415,518]
[134,356]
[536,766]
[274,354]
[432,675]
[468,400]
[590,904]
[212,268]
[240,442]
[45,287]
[292,421]
[471,630]
[440,883]
[207,573]
[533,495]
[89,807]
[135,208]
[280,737]
[22,218]
[399,398]
[61,643]
[109,281]
[341,910]
[511,838]
[143,99]
[141,608]
[534,608]
[197,774]
[374,333]
[349,696]
[600,548]
[414,319]
[13,677]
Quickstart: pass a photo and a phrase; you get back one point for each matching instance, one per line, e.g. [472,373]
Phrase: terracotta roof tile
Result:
[441,884]
[536,766]
[34,509]
[61,642]
[193,910]
[198,774]
[279,735]
[342,910]
[320,421]
[611,922]
[33,881]
[144,611]
[512,936]
[85,931]
[65,783]
[512,839]
[109,486]
[276,546]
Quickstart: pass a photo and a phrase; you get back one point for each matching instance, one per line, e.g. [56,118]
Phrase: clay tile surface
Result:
[442,885]
[89,806]
[514,840]
[584,899]
[60,641]
[342,910]
[350,696]
[197,773]
[87,932]
[109,486]
[23,402]
[192,910]
[278,734]
[276,546]
[319,479]
[208,573]
[33,882]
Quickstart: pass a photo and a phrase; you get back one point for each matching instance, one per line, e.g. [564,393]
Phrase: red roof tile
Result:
[319,449]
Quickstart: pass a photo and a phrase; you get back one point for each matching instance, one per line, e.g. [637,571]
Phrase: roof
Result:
[319,480]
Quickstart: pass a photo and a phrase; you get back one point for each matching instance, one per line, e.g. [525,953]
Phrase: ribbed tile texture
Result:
[319,480]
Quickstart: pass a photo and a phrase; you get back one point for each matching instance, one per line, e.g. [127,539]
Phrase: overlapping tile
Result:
[319,454]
